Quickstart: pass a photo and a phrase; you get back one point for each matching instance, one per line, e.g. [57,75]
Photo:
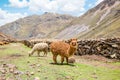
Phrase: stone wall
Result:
[109,48]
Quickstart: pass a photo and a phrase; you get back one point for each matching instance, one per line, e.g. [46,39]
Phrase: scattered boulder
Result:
[36,78]
[71,60]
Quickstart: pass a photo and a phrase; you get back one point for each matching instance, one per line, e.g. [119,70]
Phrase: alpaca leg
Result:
[67,60]
[31,53]
[55,59]
[45,53]
[38,53]
[62,60]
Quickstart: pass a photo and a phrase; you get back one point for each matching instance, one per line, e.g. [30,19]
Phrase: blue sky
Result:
[10,10]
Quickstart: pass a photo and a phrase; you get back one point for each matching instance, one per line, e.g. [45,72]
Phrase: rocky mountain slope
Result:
[37,26]
[98,22]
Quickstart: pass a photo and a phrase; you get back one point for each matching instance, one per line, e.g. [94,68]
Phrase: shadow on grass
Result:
[37,56]
[70,64]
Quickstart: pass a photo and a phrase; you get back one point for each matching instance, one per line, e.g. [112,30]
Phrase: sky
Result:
[11,10]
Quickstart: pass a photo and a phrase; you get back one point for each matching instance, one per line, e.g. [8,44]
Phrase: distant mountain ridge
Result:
[101,21]
[37,26]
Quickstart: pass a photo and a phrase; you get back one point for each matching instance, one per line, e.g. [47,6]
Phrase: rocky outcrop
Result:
[4,39]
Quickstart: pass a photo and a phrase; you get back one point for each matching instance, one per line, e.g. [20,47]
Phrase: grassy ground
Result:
[41,67]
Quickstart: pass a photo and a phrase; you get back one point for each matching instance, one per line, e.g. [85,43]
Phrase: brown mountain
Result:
[47,25]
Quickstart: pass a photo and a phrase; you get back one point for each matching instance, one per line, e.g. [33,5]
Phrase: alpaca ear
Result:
[76,39]
[69,40]
[72,39]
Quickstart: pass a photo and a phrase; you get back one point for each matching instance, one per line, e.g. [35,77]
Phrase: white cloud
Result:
[18,3]
[98,1]
[42,5]
[69,8]
[73,5]
[7,17]
[59,6]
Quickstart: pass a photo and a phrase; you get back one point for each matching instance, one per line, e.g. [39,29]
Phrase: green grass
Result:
[12,49]
[48,71]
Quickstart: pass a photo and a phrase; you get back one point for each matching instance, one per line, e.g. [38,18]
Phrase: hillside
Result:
[106,20]
[37,26]
[102,21]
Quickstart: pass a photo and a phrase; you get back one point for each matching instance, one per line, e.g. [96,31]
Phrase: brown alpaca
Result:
[63,49]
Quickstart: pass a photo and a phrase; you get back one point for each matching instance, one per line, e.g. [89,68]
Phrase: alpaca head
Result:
[73,43]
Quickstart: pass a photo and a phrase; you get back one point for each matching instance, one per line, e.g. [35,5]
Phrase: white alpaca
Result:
[39,47]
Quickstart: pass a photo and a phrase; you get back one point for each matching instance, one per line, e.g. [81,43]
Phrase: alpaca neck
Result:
[71,51]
